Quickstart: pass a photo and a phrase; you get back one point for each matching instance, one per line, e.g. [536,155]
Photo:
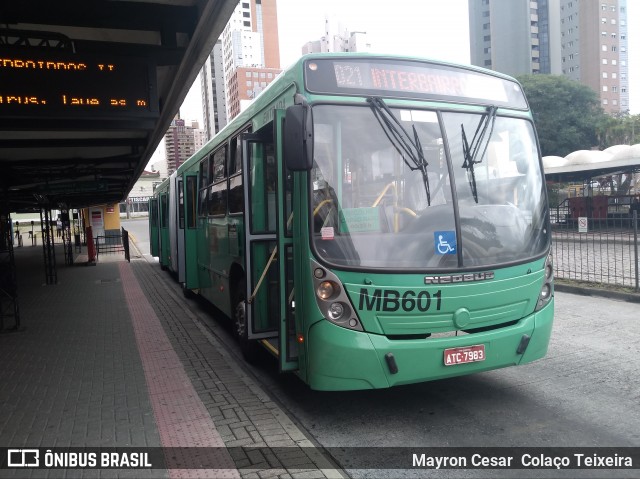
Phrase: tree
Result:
[565,112]
[620,129]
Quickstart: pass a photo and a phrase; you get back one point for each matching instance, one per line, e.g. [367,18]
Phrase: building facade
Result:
[213,88]
[246,83]
[180,142]
[515,37]
[594,49]
[585,40]
[137,202]
[248,41]
[337,39]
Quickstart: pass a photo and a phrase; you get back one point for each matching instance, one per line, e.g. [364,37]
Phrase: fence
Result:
[112,244]
[597,250]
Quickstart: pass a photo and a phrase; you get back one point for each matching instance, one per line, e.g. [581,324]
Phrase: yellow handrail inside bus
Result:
[322,203]
[384,192]
[396,209]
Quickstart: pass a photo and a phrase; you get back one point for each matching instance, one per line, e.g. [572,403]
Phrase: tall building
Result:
[585,40]
[246,83]
[594,48]
[337,40]
[249,40]
[213,89]
[515,37]
[199,136]
[180,142]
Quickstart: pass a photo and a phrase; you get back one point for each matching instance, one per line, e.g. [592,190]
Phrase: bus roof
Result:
[293,75]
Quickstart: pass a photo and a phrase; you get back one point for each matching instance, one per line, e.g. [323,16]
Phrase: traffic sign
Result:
[582,224]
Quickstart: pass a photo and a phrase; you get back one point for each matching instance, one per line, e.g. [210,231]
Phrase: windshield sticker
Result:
[419,116]
[327,232]
[445,242]
[359,220]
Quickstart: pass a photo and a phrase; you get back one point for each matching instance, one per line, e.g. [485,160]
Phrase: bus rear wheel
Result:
[248,347]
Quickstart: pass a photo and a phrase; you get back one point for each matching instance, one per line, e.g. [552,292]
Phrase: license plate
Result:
[468,354]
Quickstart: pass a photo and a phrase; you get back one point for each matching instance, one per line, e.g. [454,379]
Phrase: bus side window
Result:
[218,188]
[164,210]
[236,193]
[204,182]
[191,193]
[153,212]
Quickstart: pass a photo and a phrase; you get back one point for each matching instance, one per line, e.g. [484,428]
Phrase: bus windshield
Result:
[467,191]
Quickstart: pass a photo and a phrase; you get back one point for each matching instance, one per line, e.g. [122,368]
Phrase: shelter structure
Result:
[584,165]
[589,167]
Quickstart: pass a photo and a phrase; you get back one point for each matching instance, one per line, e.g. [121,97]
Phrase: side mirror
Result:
[298,138]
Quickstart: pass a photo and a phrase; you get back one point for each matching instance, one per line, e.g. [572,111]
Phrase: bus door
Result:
[190,231]
[164,247]
[154,228]
[269,246]
[176,226]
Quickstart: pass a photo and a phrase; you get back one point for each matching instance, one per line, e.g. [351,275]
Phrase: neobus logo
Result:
[459,278]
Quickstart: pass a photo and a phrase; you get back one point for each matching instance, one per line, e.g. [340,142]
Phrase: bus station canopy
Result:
[582,165]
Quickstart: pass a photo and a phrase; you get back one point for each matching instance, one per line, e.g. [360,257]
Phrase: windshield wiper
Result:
[410,149]
[470,151]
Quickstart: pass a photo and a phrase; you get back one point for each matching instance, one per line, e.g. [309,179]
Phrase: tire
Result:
[248,347]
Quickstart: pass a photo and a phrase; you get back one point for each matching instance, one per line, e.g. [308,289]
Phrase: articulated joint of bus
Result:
[332,299]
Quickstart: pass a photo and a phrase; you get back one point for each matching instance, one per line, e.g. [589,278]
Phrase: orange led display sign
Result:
[410,79]
[63,85]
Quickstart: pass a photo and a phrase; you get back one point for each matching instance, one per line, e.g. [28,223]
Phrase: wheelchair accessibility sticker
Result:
[445,242]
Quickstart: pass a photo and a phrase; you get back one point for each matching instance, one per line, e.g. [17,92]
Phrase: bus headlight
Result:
[326,289]
[548,268]
[336,311]
[332,299]
[546,291]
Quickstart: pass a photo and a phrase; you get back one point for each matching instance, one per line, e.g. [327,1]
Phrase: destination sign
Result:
[66,85]
[410,79]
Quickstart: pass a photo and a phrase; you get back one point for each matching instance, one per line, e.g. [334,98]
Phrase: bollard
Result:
[91,248]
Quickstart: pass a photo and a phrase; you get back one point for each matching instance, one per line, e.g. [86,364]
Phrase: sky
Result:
[442,34]
[437,29]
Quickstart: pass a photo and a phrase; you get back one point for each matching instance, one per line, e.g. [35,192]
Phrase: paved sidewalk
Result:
[112,356]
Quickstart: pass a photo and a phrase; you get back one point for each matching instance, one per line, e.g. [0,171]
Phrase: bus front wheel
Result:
[248,347]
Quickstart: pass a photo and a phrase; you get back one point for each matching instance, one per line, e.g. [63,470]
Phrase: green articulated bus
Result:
[371,221]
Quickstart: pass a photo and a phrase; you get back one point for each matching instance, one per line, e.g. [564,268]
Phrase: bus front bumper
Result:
[342,359]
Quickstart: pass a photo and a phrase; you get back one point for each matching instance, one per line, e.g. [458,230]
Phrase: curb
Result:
[630,297]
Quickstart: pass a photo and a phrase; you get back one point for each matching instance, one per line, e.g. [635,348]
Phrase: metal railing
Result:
[112,244]
[597,250]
